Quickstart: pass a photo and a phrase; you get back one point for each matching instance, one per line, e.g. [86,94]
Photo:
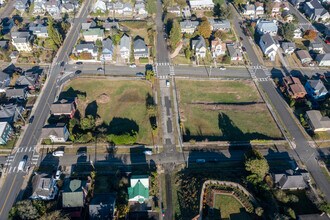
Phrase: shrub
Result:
[124,139]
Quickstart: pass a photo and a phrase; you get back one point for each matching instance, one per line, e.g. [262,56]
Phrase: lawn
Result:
[224,110]
[229,207]
[117,103]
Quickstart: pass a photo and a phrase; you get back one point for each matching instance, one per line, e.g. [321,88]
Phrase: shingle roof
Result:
[234,50]
[94,31]
[267,26]
[125,41]
[317,85]
[322,57]
[73,195]
[107,44]
[54,130]
[290,180]
[62,107]
[15,92]
[198,43]
[102,206]
[288,45]
[318,121]
[303,54]
[267,40]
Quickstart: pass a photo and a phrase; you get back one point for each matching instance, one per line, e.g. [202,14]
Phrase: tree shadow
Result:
[71,93]
[119,126]
[91,109]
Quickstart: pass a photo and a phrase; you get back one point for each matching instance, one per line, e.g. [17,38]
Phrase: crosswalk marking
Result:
[14,169]
[162,64]
[9,169]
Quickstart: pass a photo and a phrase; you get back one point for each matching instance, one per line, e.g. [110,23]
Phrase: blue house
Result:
[107,50]
[316,89]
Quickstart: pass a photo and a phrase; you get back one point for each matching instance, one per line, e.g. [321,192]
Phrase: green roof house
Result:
[93,34]
[139,190]
[73,194]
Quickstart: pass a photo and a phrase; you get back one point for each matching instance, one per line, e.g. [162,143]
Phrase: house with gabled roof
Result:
[63,107]
[304,56]
[188,26]
[86,48]
[293,87]
[99,6]
[16,93]
[39,30]
[316,89]
[28,80]
[107,50]
[93,34]
[315,11]
[174,10]
[223,25]
[323,59]
[268,46]
[74,196]
[201,4]
[260,9]
[317,122]
[288,47]
[249,10]
[139,189]
[290,180]
[10,112]
[125,46]
[43,187]
[57,133]
[140,48]
[198,45]
[22,41]
[235,52]
[264,27]
[218,47]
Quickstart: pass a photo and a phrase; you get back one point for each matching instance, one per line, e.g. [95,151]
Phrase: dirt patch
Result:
[130,96]
[103,98]
[245,107]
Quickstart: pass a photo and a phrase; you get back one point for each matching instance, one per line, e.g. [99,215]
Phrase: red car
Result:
[327,40]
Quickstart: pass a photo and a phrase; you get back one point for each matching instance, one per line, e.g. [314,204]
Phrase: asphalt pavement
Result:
[14,179]
[8,9]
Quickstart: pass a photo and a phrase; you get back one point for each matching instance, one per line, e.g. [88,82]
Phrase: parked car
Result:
[58,175]
[31,119]
[200,161]
[167,83]
[22,163]
[327,40]
[78,72]
[222,68]
[58,153]
[132,65]
[139,74]
[79,63]
[100,69]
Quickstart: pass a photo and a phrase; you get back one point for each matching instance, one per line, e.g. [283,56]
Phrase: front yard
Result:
[229,207]
[121,105]
[224,111]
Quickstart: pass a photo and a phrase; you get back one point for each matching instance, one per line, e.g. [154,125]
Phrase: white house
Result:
[56,133]
[125,46]
[268,46]
[86,48]
[22,41]
[260,10]
[249,10]
[297,34]
[264,27]
[218,48]
[199,46]
[99,6]
[323,59]
[201,4]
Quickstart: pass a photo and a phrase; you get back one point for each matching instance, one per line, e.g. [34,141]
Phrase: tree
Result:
[116,39]
[287,31]
[205,28]
[54,33]
[98,43]
[221,11]
[87,123]
[123,209]
[65,26]
[150,75]
[151,6]
[259,211]
[24,210]
[325,207]
[310,35]
[175,34]
[55,215]
[239,2]
[187,53]
[257,165]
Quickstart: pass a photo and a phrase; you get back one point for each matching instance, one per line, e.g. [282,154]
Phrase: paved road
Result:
[304,151]
[14,179]
[8,10]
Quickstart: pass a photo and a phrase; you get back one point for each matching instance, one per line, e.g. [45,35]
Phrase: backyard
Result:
[229,207]
[118,104]
[224,110]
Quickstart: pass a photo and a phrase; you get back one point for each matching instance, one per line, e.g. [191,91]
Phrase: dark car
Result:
[82,152]
[79,63]
[139,74]
[31,119]
[78,72]
[327,40]
[243,48]
[100,69]
[62,63]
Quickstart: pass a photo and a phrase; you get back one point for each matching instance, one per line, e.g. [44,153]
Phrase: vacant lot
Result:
[224,110]
[119,104]
[229,208]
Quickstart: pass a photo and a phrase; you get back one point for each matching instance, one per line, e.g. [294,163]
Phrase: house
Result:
[86,48]
[264,27]
[323,59]
[21,5]
[90,23]
[22,41]
[268,46]
[5,132]
[315,11]
[285,6]
[235,52]
[28,80]
[53,7]
[186,12]
[201,4]
[321,216]
[218,48]
[139,189]
[7,24]
[304,56]
[287,16]
[4,81]
[119,8]
[56,133]
[107,50]
[10,112]
[125,46]
[39,30]
[316,47]
[4,44]
[260,10]
[290,180]
[249,10]
[39,7]
[297,34]
[43,187]
[293,87]
[108,25]
[297,3]
[16,93]
[102,206]
[68,7]
[188,26]
[317,122]
[140,48]
[74,193]
[140,9]
[288,47]
[199,46]
[174,10]
[63,107]
[316,89]
[276,6]
[223,25]
[93,34]
[99,6]
[13,56]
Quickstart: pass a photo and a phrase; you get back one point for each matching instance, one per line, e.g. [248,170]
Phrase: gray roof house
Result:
[125,46]
[188,26]
[21,5]
[323,59]
[4,80]
[317,122]
[43,187]
[199,46]
[174,10]
[56,133]
[235,52]
[29,80]
[315,11]
[316,47]
[4,44]
[86,48]
[290,180]
[268,46]
[74,193]
[16,93]
[107,50]
[102,206]
[10,113]
[304,56]
[316,89]
[108,25]
[39,30]
[264,27]
[288,47]
[140,48]
[7,24]
[223,25]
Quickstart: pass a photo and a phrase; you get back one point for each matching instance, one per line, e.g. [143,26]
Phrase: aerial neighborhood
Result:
[182,109]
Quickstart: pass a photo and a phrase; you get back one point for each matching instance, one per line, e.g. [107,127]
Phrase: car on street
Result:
[58,175]
[132,65]
[79,63]
[148,152]
[58,153]
[222,68]
[327,40]
[139,74]
[22,163]
[244,49]
[31,119]
[78,72]
[62,63]
[200,161]
[82,152]
[167,83]
[100,69]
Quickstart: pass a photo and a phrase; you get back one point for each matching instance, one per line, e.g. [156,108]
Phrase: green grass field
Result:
[229,207]
[115,99]
[224,110]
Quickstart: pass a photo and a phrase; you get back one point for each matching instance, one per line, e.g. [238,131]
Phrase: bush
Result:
[124,139]
[85,138]
[47,141]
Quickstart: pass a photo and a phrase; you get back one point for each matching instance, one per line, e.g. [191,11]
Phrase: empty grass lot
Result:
[229,207]
[223,111]
[111,99]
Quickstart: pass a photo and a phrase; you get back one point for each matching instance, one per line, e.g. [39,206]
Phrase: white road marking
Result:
[14,169]
[10,169]
[26,149]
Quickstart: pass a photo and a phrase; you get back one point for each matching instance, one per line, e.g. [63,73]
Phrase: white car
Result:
[132,65]
[148,152]
[58,153]
[167,83]
[222,68]
[58,175]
